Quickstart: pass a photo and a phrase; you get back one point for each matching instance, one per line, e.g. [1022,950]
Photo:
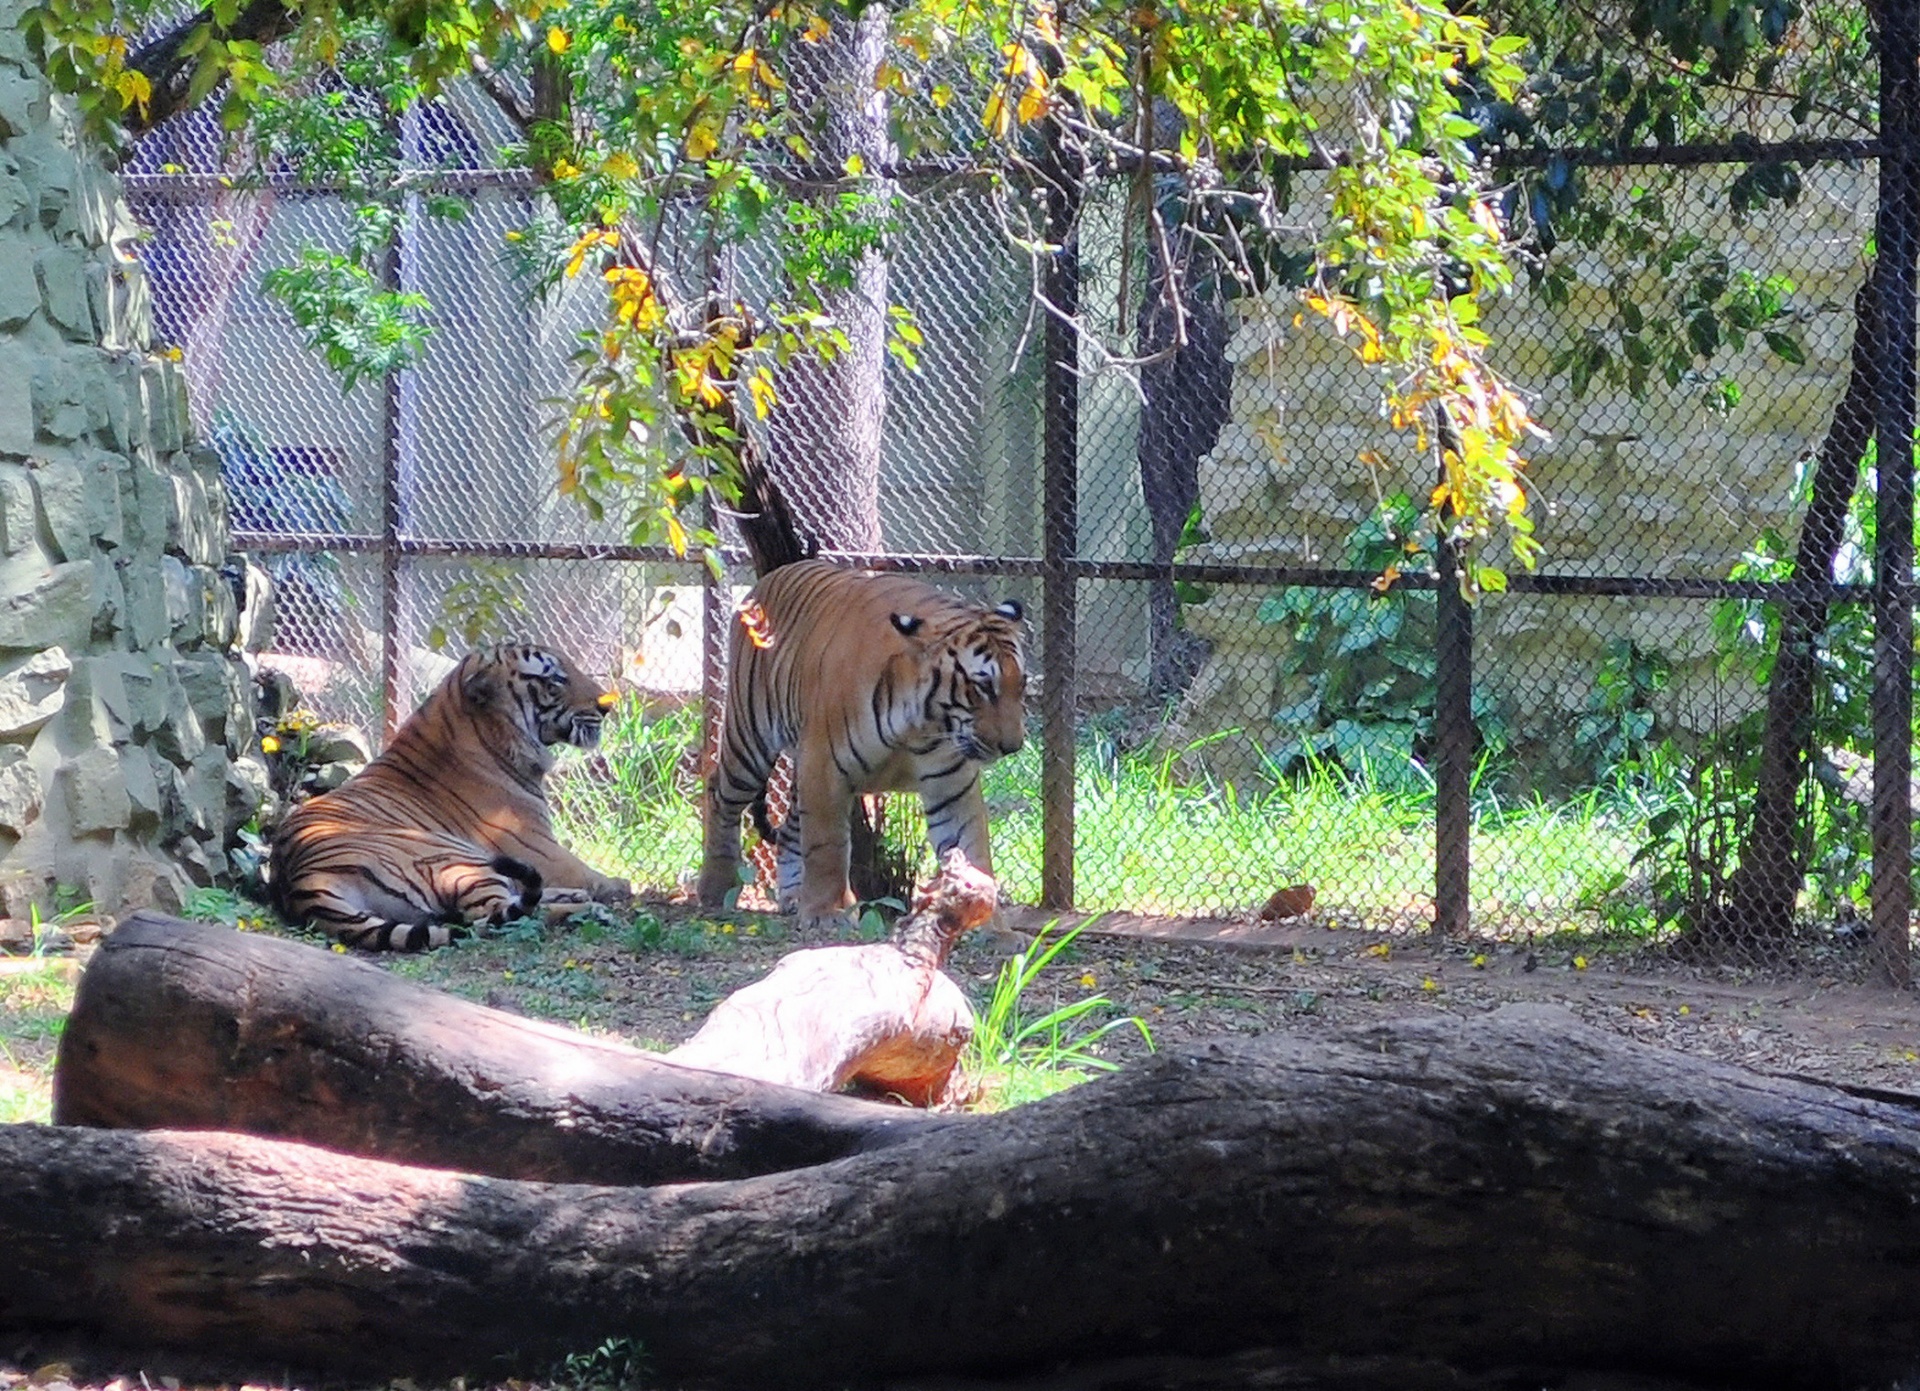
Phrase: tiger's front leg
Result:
[720,852]
[957,814]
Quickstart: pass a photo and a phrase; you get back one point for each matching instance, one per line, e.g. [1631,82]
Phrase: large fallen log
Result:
[185,1026]
[1514,1192]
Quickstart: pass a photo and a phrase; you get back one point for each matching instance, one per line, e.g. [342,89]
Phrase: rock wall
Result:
[1659,486]
[124,707]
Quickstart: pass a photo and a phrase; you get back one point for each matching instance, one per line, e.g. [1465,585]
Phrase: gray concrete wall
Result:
[124,707]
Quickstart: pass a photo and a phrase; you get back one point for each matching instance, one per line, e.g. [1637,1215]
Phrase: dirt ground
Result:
[1194,978]
[654,981]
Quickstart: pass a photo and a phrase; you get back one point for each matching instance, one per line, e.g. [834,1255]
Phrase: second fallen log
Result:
[188,1026]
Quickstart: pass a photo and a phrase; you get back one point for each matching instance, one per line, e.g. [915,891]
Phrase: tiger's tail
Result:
[766,520]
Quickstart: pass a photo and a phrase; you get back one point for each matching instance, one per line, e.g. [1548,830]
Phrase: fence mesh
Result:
[1257,724]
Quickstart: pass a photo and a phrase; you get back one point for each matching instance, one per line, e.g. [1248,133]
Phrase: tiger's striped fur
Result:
[876,682]
[449,825]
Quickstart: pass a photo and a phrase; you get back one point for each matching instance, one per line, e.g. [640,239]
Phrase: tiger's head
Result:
[981,686]
[536,690]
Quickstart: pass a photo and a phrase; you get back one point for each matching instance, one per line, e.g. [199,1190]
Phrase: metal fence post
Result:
[390,426]
[1452,730]
[1896,238]
[1060,535]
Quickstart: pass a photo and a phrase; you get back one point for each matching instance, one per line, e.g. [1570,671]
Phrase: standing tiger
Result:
[876,683]
[449,825]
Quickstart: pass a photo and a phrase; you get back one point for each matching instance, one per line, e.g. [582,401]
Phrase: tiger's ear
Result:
[906,624]
[1011,610]
[481,687]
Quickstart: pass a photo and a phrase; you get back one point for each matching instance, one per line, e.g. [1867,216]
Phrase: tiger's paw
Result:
[714,888]
[558,905]
[616,893]
[838,924]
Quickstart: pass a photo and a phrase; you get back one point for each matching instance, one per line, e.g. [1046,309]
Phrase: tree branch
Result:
[170,70]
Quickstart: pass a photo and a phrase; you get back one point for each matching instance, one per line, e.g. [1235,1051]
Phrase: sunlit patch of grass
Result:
[1148,839]
[34,1001]
[630,808]
[1022,1050]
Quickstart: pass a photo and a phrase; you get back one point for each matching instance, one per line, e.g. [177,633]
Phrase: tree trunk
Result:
[1186,398]
[181,1025]
[825,436]
[1517,1194]
[1759,901]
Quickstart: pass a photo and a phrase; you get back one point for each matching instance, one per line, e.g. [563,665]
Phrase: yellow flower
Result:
[558,39]
[1381,949]
[727,928]
[1579,963]
[340,947]
[1479,961]
[269,744]
[569,964]
[506,975]
[1685,1010]
[1429,984]
[1087,980]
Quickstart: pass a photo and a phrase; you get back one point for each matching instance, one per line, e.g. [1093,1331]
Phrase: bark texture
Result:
[1515,1192]
[186,1026]
[1761,893]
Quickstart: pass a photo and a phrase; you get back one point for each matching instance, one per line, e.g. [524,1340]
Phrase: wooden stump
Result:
[881,1018]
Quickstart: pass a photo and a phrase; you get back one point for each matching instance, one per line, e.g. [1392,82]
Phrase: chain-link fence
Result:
[1665,735]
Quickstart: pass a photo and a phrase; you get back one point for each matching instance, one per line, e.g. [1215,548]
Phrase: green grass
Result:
[1151,837]
[1148,841]
[634,808]
[33,1010]
[1021,1050]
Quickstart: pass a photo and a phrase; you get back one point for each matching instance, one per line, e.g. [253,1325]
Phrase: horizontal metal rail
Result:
[1790,591]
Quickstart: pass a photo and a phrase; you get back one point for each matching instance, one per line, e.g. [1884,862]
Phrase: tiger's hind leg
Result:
[418,894]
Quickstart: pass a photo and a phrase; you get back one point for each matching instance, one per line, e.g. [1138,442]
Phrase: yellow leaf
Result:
[997,119]
[760,388]
[817,29]
[702,141]
[1579,963]
[854,165]
[1381,949]
[621,165]
[557,39]
[743,61]
[768,77]
[1033,103]
[134,89]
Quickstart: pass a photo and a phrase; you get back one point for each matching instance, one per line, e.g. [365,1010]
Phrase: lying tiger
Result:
[448,827]
[876,683]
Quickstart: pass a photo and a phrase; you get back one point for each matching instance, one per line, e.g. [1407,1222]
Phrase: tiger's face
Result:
[540,691]
[987,712]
